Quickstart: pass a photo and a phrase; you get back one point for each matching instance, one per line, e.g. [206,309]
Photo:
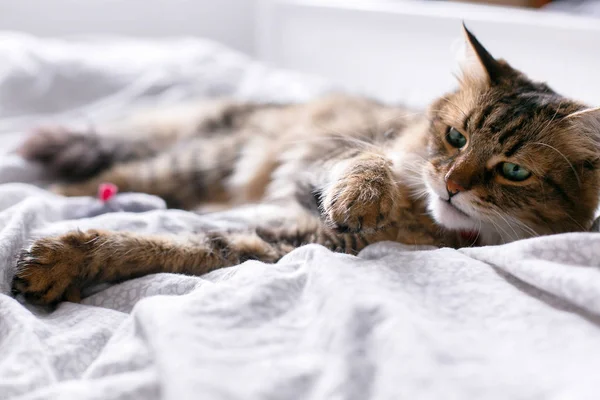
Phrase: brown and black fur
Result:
[348,172]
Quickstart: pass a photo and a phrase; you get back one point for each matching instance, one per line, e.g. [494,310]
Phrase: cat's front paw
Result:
[52,270]
[362,200]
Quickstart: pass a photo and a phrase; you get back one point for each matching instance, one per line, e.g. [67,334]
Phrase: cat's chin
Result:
[450,216]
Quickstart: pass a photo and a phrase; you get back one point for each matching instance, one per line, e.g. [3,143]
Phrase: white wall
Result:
[403,50]
[228,21]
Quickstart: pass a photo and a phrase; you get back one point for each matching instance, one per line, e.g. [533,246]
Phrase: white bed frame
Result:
[392,49]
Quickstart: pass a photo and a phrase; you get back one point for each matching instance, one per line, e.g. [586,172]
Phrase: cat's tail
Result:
[73,155]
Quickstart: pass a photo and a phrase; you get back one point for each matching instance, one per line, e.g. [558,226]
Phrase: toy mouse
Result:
[109,200]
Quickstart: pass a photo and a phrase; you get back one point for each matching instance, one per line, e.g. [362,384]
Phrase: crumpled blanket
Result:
[518,321]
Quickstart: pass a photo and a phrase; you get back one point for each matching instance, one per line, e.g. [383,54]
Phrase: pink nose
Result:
[453,187]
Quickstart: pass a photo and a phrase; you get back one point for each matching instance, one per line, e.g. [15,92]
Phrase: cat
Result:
[500,158]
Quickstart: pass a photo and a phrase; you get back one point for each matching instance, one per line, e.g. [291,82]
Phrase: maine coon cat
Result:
[501,158]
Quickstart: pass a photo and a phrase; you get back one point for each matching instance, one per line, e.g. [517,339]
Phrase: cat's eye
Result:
[514,172]
[455,138]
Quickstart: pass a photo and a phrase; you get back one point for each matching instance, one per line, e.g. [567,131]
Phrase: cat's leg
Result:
[185,175]
[57,268]
[355,189]
[72,154]
[359,193]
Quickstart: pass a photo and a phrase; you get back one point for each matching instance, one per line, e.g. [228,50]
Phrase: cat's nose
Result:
[453,188]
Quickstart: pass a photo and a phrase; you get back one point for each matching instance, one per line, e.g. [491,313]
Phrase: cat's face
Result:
[509,157]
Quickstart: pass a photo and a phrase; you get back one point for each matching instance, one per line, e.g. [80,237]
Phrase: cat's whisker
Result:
[551,119]
[507,223]
[395,118]
[415,169]
[377,130]
[320,138]
[354,139]
[418,194]
[500,226]
[409,184]
[563,156]
[446,115]
[574,220]
[417,166]
[420,158]
[347,142]
[363,143]
[523,225]
[455,106]
[498,231]
[478,234]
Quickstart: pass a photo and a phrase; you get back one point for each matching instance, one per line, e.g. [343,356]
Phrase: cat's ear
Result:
[477,64]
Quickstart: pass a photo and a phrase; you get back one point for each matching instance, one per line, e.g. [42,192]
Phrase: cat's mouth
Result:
[454,208]
[448,214]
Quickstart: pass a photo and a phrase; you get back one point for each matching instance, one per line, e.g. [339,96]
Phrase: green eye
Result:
[455,138]
[514,172]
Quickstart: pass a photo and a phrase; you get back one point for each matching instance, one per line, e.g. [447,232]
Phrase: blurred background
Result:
[233,22]
[395,50]
[362,44]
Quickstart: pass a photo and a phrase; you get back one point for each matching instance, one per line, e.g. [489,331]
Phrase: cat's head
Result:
[509,157]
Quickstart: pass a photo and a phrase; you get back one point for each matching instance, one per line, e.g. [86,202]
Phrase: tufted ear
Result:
[477,63]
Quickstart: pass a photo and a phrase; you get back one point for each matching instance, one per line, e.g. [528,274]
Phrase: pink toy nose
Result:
[106,191]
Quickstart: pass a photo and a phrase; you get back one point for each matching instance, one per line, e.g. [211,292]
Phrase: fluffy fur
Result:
[349,171]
